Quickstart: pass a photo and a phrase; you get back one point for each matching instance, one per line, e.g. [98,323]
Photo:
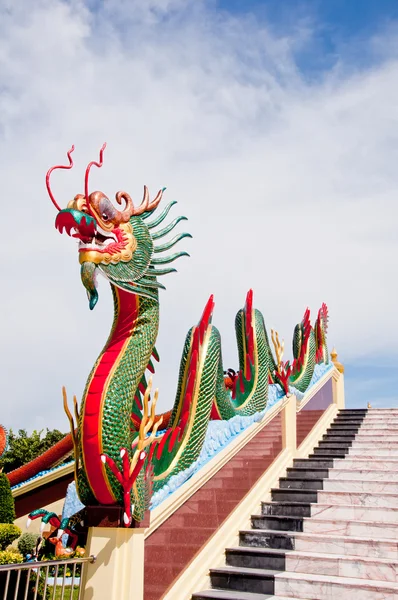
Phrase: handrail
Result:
[47,563]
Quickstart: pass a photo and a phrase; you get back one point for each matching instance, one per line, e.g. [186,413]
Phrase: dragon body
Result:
[120,455]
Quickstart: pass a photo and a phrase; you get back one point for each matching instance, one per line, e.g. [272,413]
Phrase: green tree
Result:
[23,447]
[7,508]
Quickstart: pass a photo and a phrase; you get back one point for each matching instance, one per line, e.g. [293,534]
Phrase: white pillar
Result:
[118,572]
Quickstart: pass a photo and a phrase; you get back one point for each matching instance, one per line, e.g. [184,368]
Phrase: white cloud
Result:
[289,185]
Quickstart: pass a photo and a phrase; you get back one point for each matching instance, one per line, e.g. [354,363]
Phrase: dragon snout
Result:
[76,223]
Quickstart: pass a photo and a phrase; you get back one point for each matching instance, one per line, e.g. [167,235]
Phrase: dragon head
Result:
[115,239]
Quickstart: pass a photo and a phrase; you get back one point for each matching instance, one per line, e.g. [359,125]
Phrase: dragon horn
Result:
[53,169]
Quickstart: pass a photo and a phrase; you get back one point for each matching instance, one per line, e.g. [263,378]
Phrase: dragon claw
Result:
[126,476]
[28,522]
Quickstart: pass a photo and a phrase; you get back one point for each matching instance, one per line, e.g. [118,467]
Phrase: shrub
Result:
[8,533]
[9,557]
[27,543]
[7,509]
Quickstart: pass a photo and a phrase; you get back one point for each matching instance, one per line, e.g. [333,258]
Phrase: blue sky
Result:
[339,27]
[273,124]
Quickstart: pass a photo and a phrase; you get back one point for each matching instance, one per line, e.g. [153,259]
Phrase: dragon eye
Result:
[105,216]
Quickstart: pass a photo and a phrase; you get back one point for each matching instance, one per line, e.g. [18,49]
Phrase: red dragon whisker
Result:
[93,163]
[53,169]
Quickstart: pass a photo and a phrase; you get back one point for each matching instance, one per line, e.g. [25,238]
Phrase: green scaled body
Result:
[119,459]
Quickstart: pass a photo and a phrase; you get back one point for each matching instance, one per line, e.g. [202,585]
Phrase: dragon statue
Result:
[121,453]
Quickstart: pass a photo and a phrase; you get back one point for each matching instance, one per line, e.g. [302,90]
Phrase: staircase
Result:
[331,530]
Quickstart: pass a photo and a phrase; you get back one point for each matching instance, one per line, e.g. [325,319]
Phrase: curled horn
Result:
[53,169]
[129,208]
[145,206]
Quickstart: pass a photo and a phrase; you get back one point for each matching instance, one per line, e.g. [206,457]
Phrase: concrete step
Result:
[325,587]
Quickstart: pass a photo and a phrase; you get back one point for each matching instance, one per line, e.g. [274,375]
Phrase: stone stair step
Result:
[260,581]
[315,463]
[294,495]
[380,499]
[329,510]
[345,427]
[358,485]
[352,511]
[368,435]
[217,594]
[354,528]
[372,452]
[322,451]
[347,423]
[325,587]
[339,436]
[382,423]
[304,483]
[350,423]
[372,411]
[320,542]
[286,509]
[362,474]
[337,445]
[360,567]
[353,462]
[373,444]
[277,522]
[324,455]
[256,558]
[313,562]
[266,538]
[301,472]
[375,426]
